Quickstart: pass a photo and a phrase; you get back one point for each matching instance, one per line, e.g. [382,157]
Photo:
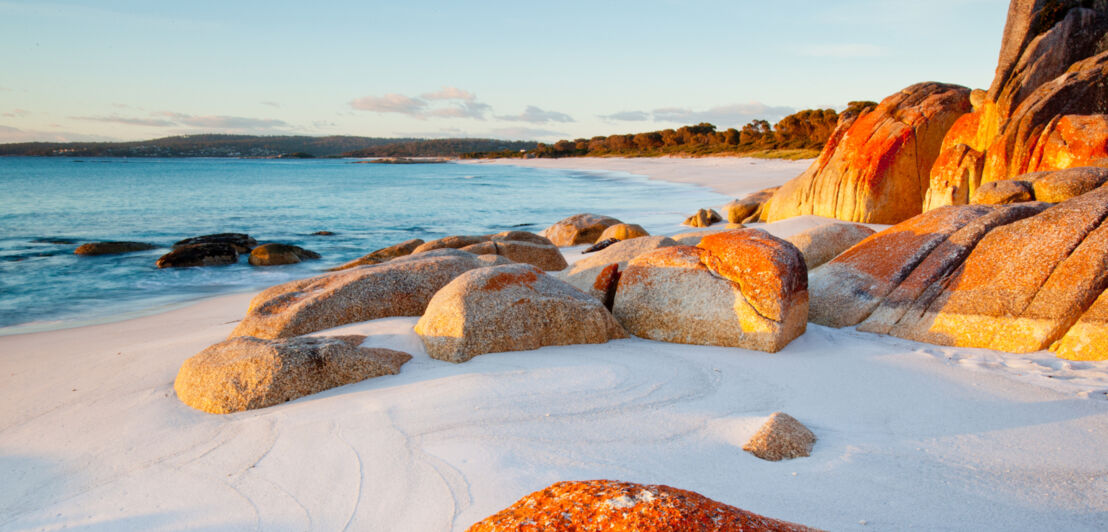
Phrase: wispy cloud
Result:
[447,102]
[12,134]
[526,133]
[627,116]
[536,115]
[843,50]
[223,121]
[152,122]
[16,113]
[272,104]
[720,115]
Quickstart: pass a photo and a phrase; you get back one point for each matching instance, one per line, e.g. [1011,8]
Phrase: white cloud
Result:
[628,116]
[11,134]
[152,122]
[725,116]
[843,51]
[390,103]
[450,93]
[448,102]
[272,104]
[536,115]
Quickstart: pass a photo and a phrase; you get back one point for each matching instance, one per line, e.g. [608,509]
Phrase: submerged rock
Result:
[245,373]
[242,243]
[382,255]
[782,437]
[278,254]
[111,248]
[514,307]
[213,254]
[578,229]
[595,505]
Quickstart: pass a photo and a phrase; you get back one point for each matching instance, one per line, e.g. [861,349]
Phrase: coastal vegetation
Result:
[797,136]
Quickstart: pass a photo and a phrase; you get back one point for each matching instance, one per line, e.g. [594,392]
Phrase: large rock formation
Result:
[583,274]
[823,243]
[596,505]
[742,288]
[1046,108]
[578,229]
[245,373]
[875,168]
[400,287]
[514,307]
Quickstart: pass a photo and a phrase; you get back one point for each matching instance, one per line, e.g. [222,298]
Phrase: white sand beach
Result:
[911,436]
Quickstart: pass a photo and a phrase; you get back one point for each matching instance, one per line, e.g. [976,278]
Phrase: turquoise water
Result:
[51,205]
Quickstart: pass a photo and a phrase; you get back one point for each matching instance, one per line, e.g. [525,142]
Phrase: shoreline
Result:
[910,434]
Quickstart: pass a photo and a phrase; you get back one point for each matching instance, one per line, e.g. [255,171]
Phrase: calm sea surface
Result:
[48,206]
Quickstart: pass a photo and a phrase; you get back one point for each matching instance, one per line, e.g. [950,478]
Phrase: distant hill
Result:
[442,148]
[264,146]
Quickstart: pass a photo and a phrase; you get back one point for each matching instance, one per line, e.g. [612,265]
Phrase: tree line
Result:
[804,131]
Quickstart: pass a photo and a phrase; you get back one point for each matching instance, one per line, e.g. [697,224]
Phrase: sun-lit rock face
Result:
[583,228]
[609,505]
[741,288]
[876,168]
[1047,108]
[513,307]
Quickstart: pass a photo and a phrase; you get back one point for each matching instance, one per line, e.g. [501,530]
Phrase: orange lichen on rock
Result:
[767,272]
[605,505]
[1069,141]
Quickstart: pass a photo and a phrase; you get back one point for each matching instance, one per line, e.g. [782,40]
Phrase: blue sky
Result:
[129,70]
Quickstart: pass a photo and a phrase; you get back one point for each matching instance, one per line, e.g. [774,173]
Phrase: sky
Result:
[133,70]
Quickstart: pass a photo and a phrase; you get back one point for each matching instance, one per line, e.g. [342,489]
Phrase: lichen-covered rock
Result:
[692,238]
[913,295]
[782,437]
[399,287]
[1002,192]
[381,255]
[1071,141]
[703,218]
[242,242]
[583,273]
[875,168]
[578,229]
[1061,185]
[823,243]
[623,232]
[845,290]
[450,242]
[1088,338]
[958,169]
[740,210]
[277,254]
[609,505]
[742,288]
[544,256]
[514,307]
[245,373]
[1025,283]
[212,254]
[111,248]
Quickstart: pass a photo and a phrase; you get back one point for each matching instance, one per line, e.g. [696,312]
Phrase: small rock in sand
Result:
[782,437]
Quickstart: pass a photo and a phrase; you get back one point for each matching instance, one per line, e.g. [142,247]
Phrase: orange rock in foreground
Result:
[596,505]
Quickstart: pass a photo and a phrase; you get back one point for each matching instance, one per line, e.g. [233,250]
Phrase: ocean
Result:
[49,206]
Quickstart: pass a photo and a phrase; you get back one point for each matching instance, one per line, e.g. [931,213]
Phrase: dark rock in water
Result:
[111,248]
[242,242]
[600,245]
[58,241]
[278,254]
[323,233]
[211,254]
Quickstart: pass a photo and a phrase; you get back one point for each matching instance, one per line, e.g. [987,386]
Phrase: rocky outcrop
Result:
[749,207]
[1088,338]
[213,254]
[399,287]
[111,248]
[703,218]
[578,229]
[622,232]
[514,307]
[583,273]
[875,168]
[782,437]
[543,256]
[742,288]
[1061,185]
[278,254]
[823,243]
[245,373]
[382,255]
[1046,108]
[1002,192]
[242,243]
[613,505]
